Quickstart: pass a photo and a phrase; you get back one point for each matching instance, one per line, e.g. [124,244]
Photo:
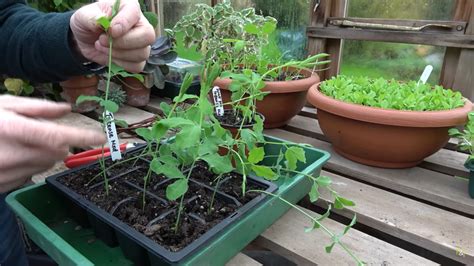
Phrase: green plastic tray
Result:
[54,224]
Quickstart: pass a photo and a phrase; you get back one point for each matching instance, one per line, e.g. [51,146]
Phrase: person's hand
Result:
[132,34]
[28,145]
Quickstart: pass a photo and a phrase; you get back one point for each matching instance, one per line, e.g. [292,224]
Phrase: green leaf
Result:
[188,136]
[353,222]
[187,81]
[145,133]
[184,98]
[219,164]
[177,189]
[158,131]
[256,155]
[209,146]
[268,27]
[152,18]
[155,166]
[120,122]
[251,28]
[115,8]
[314,192]
[170,170]
[28,89]
[14,86]
[166,108]
[239,46]
[346,202]
[109,105]
[324,181]
[293,155]
[168,159]
[57,3]
[84,98]
[338,204]
[174,122]
[329,248]
[265,172]
[104,22]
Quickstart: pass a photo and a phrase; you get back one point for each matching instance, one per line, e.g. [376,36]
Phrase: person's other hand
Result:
[28,145]
[131,32]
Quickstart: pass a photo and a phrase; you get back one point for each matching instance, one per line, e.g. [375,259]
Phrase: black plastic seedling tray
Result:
[136,246]
[171,89]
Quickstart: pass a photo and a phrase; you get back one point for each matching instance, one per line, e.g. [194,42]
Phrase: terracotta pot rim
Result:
[423,119]
[80,82]
[125,82]
[289,86]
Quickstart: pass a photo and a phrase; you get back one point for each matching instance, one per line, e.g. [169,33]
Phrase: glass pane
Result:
[394,60]
[173,10]
[289,40]
[391,60]
[402,9]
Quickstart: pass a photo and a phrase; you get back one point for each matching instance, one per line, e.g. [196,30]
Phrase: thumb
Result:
[127,17]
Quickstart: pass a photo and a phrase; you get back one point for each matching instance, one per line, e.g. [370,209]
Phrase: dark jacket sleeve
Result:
[36,46]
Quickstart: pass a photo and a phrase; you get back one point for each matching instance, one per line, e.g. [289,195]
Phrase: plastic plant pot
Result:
[51,220]
[171,89]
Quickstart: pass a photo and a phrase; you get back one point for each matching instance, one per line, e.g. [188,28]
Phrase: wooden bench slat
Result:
[426,226]
[57,168]
[288,238]
[444,161]
[132,115]
[154,105]
[438,188]
[242,260]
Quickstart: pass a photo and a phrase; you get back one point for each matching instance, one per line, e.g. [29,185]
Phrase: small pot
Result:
[469,164]
[137,94]
[77,86]
[383,137]
[286,98]
[234,130]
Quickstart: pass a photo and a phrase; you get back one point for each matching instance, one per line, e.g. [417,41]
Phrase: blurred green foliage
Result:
[391,60]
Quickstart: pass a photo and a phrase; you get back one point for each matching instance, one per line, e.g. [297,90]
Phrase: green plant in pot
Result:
[236,39]
[17,87]
[386,123]
[466,140]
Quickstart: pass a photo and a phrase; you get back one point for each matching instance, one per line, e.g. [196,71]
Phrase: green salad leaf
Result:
[391,94]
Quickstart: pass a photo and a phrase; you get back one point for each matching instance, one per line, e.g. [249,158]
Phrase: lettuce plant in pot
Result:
[465,143]
[236,39]
[386,123]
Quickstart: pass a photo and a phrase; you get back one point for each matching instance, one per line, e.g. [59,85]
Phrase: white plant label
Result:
[112,136]
[216,94]
[426,74]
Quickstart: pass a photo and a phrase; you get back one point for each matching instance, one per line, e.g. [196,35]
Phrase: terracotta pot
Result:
[382,137]
[137,94]
[77,86]
[285,101]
